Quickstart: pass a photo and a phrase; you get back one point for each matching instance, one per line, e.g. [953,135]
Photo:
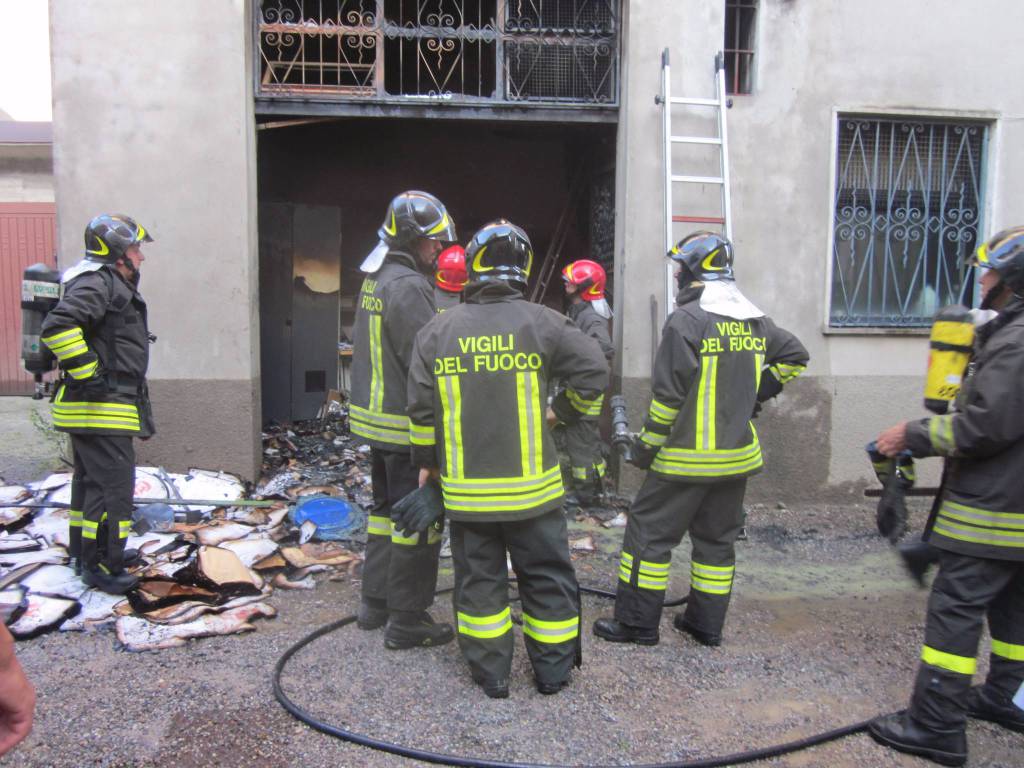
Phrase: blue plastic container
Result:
[335,518]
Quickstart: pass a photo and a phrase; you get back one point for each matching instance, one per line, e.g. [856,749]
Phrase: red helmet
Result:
[588,276]
[451,269]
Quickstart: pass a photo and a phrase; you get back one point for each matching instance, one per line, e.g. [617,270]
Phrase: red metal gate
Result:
[27,236]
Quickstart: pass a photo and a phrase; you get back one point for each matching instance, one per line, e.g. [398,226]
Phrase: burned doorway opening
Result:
[324,186]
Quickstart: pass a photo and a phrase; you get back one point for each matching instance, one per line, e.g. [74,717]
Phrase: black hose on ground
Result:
[474,762]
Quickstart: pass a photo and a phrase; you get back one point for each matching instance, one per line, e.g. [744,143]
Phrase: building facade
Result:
[868,156]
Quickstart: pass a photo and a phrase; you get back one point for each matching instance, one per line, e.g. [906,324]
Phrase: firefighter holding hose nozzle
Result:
[978,528]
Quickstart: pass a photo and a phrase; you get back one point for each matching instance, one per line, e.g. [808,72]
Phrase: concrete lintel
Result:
[535,114]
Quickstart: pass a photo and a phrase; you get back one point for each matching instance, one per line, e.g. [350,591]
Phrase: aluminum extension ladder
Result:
[719,103]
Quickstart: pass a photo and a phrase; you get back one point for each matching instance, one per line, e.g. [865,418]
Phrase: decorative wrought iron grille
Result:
[559,52]
[907,212]
[740,38]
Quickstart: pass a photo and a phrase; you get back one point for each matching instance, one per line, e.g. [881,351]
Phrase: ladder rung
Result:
[699,219]
[698,179]
[695,102]
[696,140]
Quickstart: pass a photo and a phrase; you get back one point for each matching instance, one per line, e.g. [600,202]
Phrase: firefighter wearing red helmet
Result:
[450,277]
[587,308]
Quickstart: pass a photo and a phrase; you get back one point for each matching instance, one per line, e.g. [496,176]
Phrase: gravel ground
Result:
[824,630]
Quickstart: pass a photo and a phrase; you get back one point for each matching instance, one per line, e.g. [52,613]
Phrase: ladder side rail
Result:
[724,136]
[666,127]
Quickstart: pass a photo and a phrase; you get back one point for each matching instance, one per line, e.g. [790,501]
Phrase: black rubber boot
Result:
[372,614]
[616,632]
[495,689]
[986,704]
[901,732]
[415,630]
[702,637]
[550,689]
[112,583]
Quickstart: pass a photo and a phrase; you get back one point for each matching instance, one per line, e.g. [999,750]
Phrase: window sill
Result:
[876,331]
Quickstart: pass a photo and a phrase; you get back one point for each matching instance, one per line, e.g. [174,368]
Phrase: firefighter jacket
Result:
[981,512]
[596,327]
[707,375]
[477,401]
[99,335]
[393,304]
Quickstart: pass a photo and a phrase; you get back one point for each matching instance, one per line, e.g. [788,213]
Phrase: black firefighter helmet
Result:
[500,251]
[110,235]
[705,255]
[1004,253]
[415,214]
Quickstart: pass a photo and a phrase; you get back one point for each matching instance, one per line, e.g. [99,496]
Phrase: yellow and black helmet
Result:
[1005,254]
[500,251]
[706,255]
[110,235]
[415,214]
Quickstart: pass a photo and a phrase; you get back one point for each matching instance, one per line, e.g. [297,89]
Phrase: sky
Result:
[25,60]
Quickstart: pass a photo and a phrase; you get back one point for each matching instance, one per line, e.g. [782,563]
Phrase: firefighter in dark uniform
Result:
[395,301]
[584,282]
[450,278]
[477,394]
[99,335]
[978,528]
[719,357]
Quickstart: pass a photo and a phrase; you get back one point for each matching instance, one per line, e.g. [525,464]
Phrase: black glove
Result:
[891,515]
[417,511]
[757,410]
[643,454]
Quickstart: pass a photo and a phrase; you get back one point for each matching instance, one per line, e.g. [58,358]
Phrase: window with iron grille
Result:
[740,38]
[560,52]
[907,212]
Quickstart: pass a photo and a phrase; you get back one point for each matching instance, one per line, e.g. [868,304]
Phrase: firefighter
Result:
[978,528]
[477,393]
[450,277]
[719,357]
[395,301]
[584,282]
[99,335]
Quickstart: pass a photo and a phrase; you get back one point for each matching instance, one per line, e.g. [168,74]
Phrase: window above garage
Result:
[482,53]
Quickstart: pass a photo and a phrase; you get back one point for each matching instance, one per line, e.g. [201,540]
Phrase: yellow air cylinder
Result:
[951,342]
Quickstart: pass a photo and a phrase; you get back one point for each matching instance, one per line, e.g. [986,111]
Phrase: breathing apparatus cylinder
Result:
[40,292]
[951,342]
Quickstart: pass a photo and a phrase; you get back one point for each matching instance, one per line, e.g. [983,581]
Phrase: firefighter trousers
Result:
[966,591]
[583,444]
[539,550]
[663,512]
[101,499]
[398,571]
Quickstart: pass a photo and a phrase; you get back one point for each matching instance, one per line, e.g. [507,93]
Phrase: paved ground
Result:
[29,448]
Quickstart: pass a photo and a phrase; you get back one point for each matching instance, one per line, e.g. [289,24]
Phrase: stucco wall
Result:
[157,122]
[813,59]
[26,173]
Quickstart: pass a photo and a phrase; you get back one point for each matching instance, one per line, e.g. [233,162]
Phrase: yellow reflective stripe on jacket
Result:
[581,404]
[502,494]
[758,369]
[601,468]
[531,422]
[662,414]
[786,372]
[712,579]
[653,438]
[84,371]
[706,396]
[86,415]
[378,525]
[451,415]
[687,462]
[979,526]
[398,538]
[376,365]
[1010,651]
[375,425]
[421,435]
[940,432]
[551,631]
[964,665]
[66,344]
[485,627]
